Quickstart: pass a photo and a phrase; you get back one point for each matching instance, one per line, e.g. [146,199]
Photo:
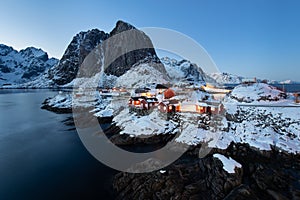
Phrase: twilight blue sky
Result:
[250,38]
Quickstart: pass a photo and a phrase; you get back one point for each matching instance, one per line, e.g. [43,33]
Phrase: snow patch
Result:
[229,164]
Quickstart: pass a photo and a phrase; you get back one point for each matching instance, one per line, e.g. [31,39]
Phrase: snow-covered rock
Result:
[256,93]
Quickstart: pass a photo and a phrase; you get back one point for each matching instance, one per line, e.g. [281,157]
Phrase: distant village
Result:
[172,100]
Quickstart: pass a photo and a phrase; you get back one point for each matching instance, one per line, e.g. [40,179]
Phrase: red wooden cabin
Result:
[170,106]
[212,108]
[148,103]
[135,102]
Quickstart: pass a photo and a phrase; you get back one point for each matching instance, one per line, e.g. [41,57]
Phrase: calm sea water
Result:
[41,157]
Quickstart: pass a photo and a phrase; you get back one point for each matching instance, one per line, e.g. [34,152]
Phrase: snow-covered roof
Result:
[151,100]
[202,104]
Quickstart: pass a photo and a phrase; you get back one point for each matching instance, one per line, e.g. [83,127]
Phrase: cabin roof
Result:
[137,98]
[142,90]
[170,102]
[160,86]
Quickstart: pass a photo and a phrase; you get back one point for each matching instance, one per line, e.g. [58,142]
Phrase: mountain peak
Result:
[120,27]
[4,49]
[18,67]
[34,52]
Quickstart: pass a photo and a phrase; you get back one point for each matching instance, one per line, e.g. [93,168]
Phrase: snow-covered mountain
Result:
[17,67]
[184,72]
[226,78]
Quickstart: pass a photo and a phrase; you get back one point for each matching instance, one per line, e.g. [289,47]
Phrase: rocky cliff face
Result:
[123,63]
[84,42]
[81,45]
[22,66]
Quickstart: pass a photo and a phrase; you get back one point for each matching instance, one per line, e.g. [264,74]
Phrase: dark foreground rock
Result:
[264,175]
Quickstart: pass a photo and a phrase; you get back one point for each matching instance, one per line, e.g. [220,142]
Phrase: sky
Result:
[252,38]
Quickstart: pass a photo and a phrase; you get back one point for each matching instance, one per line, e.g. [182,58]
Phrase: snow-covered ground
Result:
[151,124]
[263,126]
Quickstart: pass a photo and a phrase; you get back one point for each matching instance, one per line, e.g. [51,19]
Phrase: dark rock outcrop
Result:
[264,175]
[187,178]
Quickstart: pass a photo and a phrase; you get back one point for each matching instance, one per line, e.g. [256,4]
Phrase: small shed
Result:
[297,95]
